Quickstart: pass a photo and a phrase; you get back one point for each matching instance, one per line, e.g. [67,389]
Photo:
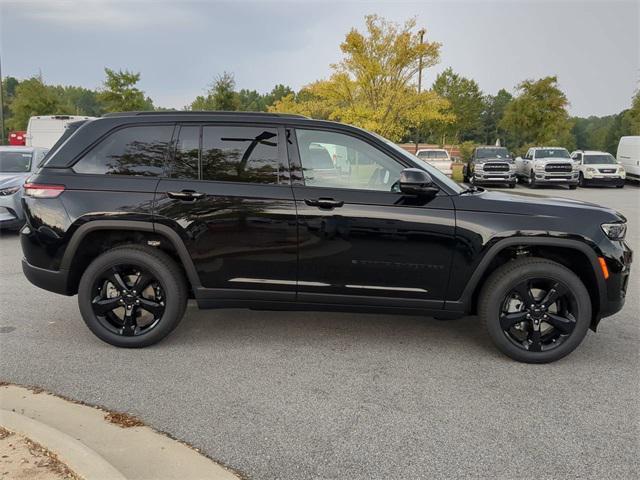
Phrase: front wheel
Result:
[535,310]
[132,296]
[532,180]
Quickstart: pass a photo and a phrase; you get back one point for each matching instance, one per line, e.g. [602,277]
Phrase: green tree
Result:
[538,115]
[251,101]
[33,97]
[467,105]
[632,115]
[119,93]
[221,95]
[374,85]
[81,101]
[494,107]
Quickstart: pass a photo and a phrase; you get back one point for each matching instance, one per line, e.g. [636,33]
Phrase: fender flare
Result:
[162,230]
[464,302]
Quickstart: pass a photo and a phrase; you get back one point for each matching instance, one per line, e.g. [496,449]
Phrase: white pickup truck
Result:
[549,166]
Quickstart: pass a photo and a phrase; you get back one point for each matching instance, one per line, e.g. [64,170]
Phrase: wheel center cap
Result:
[537,312]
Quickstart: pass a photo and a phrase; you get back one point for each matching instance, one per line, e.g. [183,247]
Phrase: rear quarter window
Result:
[136,150]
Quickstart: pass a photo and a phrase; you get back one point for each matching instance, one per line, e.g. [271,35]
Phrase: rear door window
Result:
[242,154]
[139,150]
[187,154]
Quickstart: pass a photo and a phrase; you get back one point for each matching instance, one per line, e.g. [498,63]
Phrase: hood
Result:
[554,160]
[493,159]
[12,179]
[533,205]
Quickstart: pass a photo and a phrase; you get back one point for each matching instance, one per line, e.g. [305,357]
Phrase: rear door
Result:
[229,197]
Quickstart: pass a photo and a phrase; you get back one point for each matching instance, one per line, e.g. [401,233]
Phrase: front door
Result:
[361,240]
[230,198]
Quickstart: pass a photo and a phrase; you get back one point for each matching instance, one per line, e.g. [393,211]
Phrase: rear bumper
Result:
[51,280]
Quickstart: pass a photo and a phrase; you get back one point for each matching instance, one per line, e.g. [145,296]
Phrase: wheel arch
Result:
[122,232]
[568,252]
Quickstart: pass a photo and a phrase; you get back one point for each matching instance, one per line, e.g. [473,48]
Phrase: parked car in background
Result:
[491,165]
[598,168]
[547,166]
[437,157]
[629,156]
[138,212]
[17,138]
[16,165]
[45,130]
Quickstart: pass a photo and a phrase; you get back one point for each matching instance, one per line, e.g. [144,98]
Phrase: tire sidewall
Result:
[172,288]
[494,298]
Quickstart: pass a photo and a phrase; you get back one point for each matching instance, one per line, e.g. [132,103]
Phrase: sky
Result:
[179,47]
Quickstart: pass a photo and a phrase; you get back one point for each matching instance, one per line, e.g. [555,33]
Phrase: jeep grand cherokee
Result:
[138,212]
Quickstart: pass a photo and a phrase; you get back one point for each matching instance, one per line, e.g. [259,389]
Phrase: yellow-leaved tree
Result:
[374,86]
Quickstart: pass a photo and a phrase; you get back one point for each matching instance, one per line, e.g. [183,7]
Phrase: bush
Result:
[466,151]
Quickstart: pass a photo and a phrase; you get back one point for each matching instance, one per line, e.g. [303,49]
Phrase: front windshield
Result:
[552,153]
[431,170]
[599,159]
[15,162]
[498,152]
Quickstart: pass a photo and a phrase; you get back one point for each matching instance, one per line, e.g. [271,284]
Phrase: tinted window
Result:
[242,154]
[335,160]
[187,154]
[14,162]
[129,151]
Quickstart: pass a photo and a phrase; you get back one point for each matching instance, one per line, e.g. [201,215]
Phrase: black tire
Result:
[581,181]
[512,185]
[500,286]
[167,278]
[620,186]
[573,187]
[532,180]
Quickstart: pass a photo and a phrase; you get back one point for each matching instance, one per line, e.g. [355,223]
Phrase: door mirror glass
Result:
[414,181]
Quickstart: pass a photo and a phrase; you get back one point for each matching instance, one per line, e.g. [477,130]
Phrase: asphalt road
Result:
[318,395]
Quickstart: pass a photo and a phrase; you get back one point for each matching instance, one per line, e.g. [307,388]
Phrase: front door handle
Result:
[186,195]
[326,203]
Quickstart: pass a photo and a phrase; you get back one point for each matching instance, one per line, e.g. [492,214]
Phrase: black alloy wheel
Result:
[132,296]
[128,300]
[535,310]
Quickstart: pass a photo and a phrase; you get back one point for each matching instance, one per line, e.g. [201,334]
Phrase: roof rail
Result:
[204,112]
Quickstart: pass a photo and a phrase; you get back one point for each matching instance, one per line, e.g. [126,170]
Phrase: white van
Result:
[629,156]
[45,130]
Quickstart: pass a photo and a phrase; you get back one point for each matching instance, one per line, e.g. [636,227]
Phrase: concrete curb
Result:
[111,450]
[76,455]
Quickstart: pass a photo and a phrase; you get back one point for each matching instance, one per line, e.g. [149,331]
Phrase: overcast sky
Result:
[180,46]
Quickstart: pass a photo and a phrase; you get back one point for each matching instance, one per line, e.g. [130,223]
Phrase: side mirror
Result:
[414,181]
[519,159]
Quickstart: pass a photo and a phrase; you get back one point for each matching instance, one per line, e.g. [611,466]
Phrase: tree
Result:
[221,95]
[494,107]
[538,115]
[467,105]
[633,115]
[119,93]
[33,97]
[374,85]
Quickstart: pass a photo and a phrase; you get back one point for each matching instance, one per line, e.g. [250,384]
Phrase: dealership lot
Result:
[326,395]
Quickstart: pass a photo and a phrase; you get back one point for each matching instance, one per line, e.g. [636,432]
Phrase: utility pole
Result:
[421,34]
[1,107]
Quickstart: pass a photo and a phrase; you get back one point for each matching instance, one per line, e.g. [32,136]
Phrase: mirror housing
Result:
[414,181]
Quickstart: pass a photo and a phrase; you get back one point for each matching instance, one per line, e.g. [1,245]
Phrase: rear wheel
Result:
[132,296]
[535,310]
[532,180]
[581,180]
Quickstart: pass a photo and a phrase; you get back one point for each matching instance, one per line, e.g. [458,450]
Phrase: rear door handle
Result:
[186,195]
[326,203]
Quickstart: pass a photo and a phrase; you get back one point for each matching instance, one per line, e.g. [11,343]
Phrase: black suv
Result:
[138,212]
[491,166]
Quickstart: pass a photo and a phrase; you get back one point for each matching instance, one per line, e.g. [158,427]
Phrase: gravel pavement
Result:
[326,395]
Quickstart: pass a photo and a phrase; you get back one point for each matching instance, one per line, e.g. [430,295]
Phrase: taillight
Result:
[39,190]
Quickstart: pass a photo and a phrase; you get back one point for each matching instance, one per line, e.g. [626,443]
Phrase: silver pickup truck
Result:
[547,165]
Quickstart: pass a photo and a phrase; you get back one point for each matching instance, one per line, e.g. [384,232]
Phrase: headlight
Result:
[591,170]
[615,231]
[9,190]
[621,169]
[539,167]
[479,167]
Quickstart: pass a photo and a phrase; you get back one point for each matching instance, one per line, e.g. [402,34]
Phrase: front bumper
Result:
[494,178]
[569,178]
[603,180]
[620,268]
